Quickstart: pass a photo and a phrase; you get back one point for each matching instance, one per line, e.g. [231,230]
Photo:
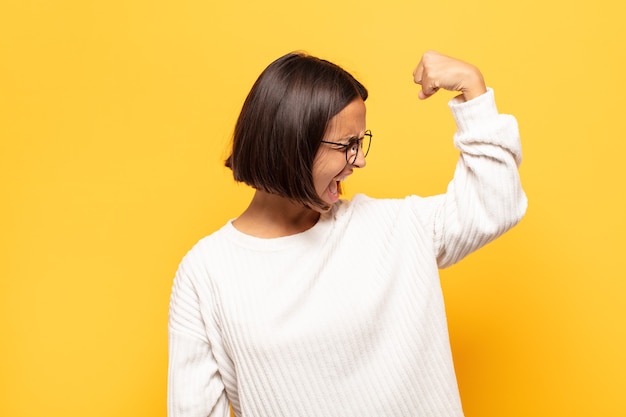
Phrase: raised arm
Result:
[485,197]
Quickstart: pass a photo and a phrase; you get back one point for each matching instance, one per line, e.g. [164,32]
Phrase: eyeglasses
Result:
[353,146]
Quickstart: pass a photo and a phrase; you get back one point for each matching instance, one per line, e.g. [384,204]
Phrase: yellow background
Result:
[114,119]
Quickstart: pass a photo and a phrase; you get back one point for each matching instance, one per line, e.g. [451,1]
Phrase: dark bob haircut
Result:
[283,121]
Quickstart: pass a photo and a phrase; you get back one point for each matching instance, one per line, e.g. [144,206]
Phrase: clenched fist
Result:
[436,71]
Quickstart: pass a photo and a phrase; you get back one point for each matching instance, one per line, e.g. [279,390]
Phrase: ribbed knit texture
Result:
[346,319]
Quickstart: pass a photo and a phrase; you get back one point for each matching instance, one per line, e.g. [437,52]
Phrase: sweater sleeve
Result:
[195,387]
[485,197]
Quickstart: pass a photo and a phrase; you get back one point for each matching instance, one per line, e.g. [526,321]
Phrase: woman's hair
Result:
[283,121]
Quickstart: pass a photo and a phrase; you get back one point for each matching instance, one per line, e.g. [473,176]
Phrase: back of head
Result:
[283,121]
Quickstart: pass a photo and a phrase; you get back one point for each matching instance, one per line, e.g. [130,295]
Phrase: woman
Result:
[310,305]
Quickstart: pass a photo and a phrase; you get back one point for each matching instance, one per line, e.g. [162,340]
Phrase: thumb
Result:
[427,91]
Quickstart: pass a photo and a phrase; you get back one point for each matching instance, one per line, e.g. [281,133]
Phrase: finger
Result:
[418,73]
[428,89]
[423,95]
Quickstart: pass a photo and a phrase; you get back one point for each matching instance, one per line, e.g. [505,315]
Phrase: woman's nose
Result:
[359,162]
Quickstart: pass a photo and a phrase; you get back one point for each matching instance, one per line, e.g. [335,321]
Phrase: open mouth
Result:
[336,188]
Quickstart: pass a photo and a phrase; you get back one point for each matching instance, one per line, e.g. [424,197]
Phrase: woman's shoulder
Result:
[387,212]
[366,202]
[206,246]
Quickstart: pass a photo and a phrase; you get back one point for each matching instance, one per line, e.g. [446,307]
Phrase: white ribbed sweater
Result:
[346,319]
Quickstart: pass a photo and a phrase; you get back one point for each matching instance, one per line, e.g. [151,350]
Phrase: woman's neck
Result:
[271,216]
